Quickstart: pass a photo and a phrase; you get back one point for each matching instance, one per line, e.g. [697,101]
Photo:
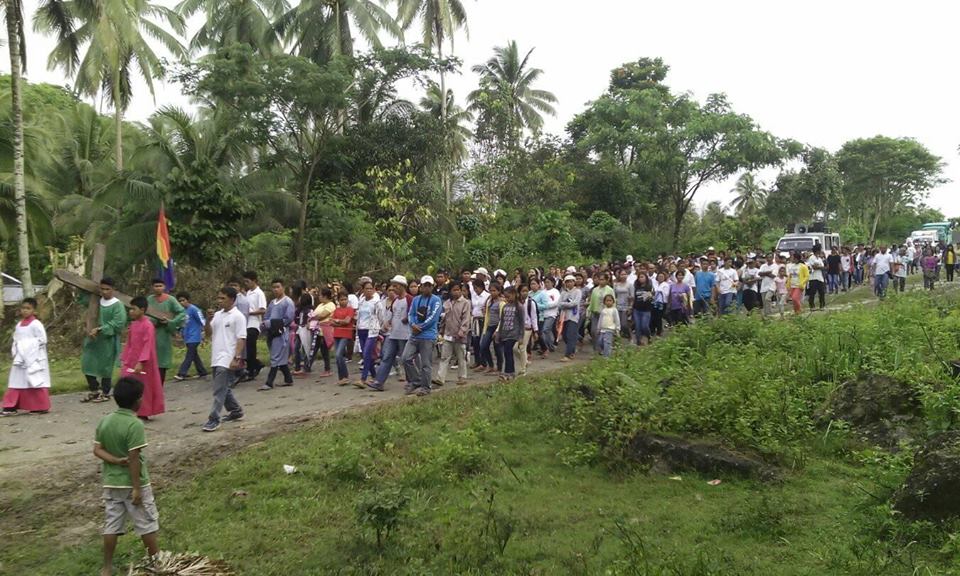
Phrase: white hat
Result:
[399,279]
[499,272]
[427,280]
[481,270]
[710,249]
[629,258]
[569,277]
[571,270]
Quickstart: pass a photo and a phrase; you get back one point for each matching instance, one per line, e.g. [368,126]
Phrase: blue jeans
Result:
[546,332]
[844,280]
[341,345]
[368,343]
[486,358]
[725,301]
[880,284]
[571,334]
[641,323]
[422,349]
[223,379]
[508,366]
[833,283]
[606,343]
[192,357]
[392,348]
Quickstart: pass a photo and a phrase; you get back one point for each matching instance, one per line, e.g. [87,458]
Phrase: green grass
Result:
[488,494]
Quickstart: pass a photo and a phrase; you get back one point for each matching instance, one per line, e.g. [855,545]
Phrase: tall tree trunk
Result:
[14,27]
[445,174]
[678,211]
[302,226]
[118,120]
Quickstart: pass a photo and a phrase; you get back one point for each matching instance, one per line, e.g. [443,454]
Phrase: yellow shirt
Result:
[324,312]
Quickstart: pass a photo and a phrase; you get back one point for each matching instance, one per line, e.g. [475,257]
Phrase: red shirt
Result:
[345,331]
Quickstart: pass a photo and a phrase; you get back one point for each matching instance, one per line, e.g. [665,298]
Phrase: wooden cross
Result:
[92,285]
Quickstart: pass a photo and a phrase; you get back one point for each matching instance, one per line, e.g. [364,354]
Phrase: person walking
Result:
[424,318]
[227,330]
[570,316]
[397,319]
[256,308]
[192,333]
[164,328]
[454,328]
[276,324]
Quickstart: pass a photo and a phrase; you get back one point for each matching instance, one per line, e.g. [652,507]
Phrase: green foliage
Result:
[381,509]
[758,384]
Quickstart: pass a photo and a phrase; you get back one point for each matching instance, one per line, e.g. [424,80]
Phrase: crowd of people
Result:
[475,321]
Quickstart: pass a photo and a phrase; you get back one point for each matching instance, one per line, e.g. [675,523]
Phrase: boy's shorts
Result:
[118,505]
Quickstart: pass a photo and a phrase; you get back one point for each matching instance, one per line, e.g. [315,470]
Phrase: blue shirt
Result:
[705,281]
[193,329]
[425,314]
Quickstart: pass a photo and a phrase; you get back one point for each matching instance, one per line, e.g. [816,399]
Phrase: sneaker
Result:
[211,426]
[285,384]
[264,388]
[233,417]
[423,392]
[375,387]
[408,390]
[179,378]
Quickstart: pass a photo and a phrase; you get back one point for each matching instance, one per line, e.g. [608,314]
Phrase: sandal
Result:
[90,397]
[101,398]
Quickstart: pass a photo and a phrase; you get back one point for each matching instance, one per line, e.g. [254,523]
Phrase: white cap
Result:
[427,280]
[399,279]
[629,258]
[481,270]
[499,272]
[571,270]
[710,248]
[569,277]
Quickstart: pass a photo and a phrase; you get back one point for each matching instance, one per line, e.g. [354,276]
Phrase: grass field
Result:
[476,485]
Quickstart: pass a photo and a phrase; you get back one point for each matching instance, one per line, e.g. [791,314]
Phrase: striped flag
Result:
[163,251]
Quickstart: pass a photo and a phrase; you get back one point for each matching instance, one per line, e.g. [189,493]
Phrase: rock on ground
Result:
[932,489]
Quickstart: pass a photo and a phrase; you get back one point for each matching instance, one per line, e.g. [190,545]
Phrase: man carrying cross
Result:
[165,329]
[101,346]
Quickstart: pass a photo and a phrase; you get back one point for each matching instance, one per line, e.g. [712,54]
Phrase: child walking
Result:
[28,387]
[343,323]
[781,290]
[192,332]
[119,443]
[609,324]
[139,359]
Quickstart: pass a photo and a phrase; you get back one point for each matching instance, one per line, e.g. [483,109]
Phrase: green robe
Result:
[100,354]
[166,331]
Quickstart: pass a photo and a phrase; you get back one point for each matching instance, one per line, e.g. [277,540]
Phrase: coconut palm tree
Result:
[455,130]
[17,47]
[321,29]
[750,196]
[506,88]
[115,33]
[439,20]
[236,21]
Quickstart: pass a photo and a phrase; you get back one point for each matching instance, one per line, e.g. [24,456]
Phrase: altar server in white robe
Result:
[28,387]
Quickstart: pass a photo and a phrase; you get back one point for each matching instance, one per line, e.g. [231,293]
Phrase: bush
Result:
[380,510]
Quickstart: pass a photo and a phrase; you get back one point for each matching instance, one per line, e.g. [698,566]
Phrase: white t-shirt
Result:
[690,279]
[353,301]
[727,280]
[255,301]
[749,273]
[553,297]
[815,274]
[881,263]
[902,269]
[768,284]
[228,327]
[845,263]
[911,252]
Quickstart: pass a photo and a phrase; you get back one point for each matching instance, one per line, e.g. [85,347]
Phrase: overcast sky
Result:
[821,72]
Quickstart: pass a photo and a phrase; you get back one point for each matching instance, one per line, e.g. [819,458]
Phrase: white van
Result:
[790,243]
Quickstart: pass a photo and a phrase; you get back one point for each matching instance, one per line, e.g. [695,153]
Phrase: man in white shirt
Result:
[900,270]
[727,282]
[769,271]
[227,330]
[846,261]
[256,308]
[816,285]
[882,265]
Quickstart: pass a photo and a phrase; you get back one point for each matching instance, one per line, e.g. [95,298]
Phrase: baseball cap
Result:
[569,277]
[427,280]
[480,270]
[399,279]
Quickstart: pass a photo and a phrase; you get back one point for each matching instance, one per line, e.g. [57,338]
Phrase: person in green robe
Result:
[101,346]
[163,302]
